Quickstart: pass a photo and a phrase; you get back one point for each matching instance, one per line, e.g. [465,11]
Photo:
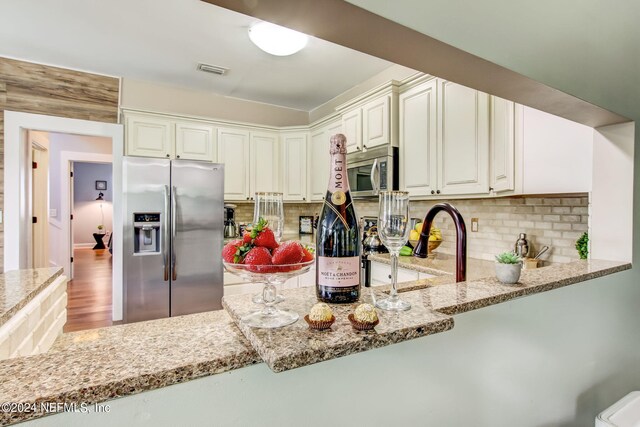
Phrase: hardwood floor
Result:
[89,293]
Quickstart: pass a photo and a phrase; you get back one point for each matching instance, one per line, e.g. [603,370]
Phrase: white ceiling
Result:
[162,41]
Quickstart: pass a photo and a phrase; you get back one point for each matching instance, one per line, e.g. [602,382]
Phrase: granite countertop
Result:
[102,364]
[18,287]
[296,345]
[106,363]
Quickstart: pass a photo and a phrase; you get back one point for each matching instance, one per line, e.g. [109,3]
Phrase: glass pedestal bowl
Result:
[269,316]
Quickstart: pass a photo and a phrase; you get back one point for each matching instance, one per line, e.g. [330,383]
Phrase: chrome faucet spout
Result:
[422,247]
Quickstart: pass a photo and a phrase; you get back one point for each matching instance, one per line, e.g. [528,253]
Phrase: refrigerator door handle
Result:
[174,214]
[165,235]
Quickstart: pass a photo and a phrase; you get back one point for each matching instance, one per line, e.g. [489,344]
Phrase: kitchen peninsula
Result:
[103,364]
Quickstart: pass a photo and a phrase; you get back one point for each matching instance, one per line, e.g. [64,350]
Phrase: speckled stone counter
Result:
[296,345]
[19,287]
[103,364]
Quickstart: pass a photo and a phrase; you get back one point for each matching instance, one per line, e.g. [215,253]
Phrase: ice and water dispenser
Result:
[146,233]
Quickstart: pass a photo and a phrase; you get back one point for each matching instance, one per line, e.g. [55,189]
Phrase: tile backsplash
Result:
[553,220]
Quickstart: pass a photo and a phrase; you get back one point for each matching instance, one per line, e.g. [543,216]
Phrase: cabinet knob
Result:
[178,156]
[167,155]
[247,198]
[433,192]
[490,188]
[304,198]
[438,192]
[364,146]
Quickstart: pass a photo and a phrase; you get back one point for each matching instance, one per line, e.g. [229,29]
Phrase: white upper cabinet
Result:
[418,160]
[375,123]
[352,130]
[294,165]
[233,151]
[319,159]
[154,135]
[463,140]
[149,136]
[195,141]
[264,162]
[502,143]
[371,120]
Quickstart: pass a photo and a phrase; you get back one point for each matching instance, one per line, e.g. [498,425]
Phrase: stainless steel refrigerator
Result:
[173,228]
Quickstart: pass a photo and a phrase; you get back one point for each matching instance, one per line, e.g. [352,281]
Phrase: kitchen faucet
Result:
[422,247]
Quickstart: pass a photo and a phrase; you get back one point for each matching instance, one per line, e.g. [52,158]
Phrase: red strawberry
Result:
[230,249]
[246,237]
[259,259]
[288,253]
[266,239]
[308,256]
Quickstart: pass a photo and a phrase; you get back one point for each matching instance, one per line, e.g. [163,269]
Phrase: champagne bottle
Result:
[338,235]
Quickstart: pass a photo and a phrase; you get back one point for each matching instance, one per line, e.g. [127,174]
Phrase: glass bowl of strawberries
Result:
[259,258]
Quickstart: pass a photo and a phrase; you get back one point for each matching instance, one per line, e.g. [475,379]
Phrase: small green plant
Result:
[508,258]
[582,245]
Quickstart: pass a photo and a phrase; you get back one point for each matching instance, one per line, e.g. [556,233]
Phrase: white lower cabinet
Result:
[381,274]
[233,285]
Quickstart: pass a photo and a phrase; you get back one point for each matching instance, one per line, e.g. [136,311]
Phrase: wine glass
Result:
[393,229]
[269,207]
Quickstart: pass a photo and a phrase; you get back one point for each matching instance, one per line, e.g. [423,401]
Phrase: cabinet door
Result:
[375,123]
[264,162]
[502,145]
[294,166]
[233,151]
[319,160]
[463,140]
[418,162]
[195,141]
[352,130]
[149,136]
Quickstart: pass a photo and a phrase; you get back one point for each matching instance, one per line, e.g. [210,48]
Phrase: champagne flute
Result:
[269,207]
[393,229]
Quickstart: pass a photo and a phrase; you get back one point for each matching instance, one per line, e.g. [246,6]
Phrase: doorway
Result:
[89,293]
[18,221]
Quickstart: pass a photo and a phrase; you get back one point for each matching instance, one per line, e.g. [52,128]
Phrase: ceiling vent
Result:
[213,69]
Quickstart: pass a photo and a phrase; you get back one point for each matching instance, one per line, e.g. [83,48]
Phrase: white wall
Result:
[89,213]
[58,144]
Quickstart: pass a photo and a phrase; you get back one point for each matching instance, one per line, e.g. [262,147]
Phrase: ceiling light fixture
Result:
[277,40]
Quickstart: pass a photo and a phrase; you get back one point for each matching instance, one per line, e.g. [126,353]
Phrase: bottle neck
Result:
[338,178]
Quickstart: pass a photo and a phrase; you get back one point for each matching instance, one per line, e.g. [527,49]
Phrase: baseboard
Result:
[83,245]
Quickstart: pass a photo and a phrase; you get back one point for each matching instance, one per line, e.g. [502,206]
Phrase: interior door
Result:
[197,236]
[40,197]
[71,207]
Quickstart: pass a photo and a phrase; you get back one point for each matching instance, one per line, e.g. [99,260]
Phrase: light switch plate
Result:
[474,225]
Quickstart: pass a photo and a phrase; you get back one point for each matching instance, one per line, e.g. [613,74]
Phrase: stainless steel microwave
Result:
[373,171]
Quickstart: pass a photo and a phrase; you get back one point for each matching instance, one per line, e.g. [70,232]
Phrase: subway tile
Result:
[571,218]
[551,218]
[561,209]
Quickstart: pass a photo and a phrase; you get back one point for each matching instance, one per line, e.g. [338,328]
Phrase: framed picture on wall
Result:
[101,185]
[306,224]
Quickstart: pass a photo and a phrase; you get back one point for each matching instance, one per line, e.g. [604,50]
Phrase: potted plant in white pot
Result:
[508,267]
